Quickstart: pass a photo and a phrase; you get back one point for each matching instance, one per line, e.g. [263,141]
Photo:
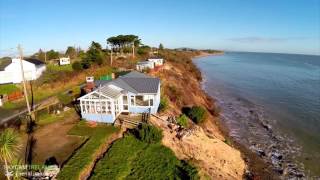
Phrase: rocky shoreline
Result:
[269,155]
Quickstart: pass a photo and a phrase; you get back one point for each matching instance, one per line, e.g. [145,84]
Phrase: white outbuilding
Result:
[156,61]
[64,61]
[144,65]
[10,71]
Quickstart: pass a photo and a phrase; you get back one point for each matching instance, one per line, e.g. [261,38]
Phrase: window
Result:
[125,99]
[84,108]
[132,100]
[104,109]
[151,102]
[142,101]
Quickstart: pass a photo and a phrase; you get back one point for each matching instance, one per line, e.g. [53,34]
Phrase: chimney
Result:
[90,84]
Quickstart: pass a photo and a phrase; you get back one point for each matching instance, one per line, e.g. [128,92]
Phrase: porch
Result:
[129,120]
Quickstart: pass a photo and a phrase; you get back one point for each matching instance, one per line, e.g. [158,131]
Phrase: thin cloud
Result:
[254,39]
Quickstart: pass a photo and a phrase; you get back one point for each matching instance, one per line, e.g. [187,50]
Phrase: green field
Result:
[8,88]
[45,118]
[130,158]
[85,155]
[60,68]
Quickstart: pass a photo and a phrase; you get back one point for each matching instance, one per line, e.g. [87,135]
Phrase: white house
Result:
[132,93]
[64,61]
[156,61]
[10,72]
[144,65]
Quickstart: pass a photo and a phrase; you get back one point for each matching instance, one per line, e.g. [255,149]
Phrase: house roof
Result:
[4,64]
[99,83]
[37,62]
[143,85]
[109,91]
[135,74]
[155,58]
[123,85]
[136,82]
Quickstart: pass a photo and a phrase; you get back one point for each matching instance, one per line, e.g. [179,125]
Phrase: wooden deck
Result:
[129,121]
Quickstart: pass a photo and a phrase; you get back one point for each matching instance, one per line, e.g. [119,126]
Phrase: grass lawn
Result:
[45,118]
[53,88]
[85,155]
[8,88]
[11,105]
[130,158]
[60,68]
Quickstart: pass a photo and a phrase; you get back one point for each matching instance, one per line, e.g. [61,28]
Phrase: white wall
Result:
[64,61]
[12,73]
[157,62]
[141,67]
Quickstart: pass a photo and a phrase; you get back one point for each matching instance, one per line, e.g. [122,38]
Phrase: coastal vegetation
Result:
[71,52]
[77,66]
[9,147]
[45,118]
[123,43]
[8,88]
[182,120]
[163,104]
[196,113]
[140,155]
[64,98]
[86,154]
[148,134]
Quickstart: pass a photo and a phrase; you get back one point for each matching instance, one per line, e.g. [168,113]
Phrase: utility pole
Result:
[23,79]
[111,55]
[133,50]
[45,56]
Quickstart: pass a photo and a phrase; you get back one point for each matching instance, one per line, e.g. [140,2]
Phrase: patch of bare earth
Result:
[211,155]
[204,144]
[53,140]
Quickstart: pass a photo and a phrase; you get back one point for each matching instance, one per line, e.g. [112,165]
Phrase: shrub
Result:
[83,157]
[197,114]
[187,171]
[142,161]
[85,63]
[65,99]
[163,104]
[77,66]
[183,120]
[8,88]
[143,50]
[159,162]
[174,93]
[148,133]
[228,141]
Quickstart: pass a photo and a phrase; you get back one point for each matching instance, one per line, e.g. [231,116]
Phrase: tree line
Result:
[96,54]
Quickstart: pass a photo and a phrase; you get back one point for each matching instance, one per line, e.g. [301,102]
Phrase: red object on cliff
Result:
[15,95]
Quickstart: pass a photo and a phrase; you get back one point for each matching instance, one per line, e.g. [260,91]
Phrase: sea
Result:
[270,103]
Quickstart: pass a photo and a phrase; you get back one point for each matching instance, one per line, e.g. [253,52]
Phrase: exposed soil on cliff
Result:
[213,157]
[181,83]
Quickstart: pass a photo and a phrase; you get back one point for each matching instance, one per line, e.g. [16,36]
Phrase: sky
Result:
[282,26]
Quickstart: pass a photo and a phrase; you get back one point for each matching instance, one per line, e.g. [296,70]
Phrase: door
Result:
[125,103]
